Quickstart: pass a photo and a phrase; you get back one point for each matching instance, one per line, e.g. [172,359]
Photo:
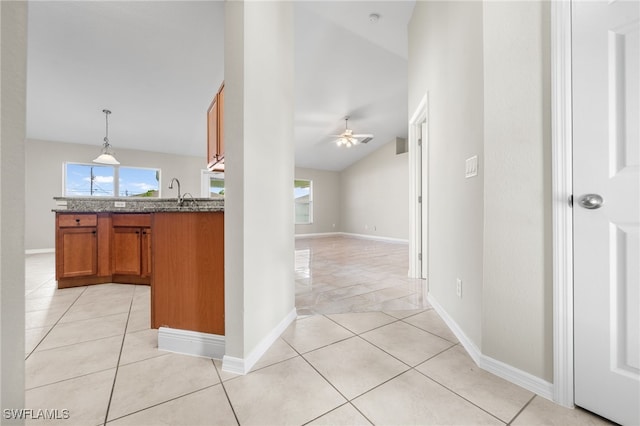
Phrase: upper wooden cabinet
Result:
[215,130]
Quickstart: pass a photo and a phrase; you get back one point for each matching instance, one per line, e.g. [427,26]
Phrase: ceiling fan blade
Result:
[363,136]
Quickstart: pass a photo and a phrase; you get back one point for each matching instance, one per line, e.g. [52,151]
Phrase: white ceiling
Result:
[157,65]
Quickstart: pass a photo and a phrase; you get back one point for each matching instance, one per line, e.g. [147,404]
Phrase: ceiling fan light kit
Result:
[348,139]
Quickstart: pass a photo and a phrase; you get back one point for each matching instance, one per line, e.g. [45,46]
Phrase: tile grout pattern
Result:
[90,351]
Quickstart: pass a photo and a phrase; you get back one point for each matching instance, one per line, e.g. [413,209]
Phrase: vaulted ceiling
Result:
[157,65]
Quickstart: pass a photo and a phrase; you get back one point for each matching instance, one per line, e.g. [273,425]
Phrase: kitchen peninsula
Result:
[177,248]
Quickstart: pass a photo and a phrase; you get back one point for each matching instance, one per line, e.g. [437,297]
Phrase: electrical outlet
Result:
[366,227]
[459,287]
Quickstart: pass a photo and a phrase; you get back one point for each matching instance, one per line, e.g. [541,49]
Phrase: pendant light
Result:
[106,157]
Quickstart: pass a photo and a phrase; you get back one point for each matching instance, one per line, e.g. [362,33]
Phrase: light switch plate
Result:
[471,167]
[119,203]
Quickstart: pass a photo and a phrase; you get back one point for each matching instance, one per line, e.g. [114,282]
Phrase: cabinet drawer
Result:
[74,220]
[132,219]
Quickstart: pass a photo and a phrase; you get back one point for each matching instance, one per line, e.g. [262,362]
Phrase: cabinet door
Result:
[212,133]
[126,251]
[146,252]
[77,252]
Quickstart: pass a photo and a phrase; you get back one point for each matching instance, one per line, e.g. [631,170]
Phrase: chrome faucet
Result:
[180,200]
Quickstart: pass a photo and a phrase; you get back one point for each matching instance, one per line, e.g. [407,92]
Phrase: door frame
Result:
[417,225]
[562,216]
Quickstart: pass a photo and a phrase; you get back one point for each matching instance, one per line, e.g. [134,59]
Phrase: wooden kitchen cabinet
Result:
[215,130]
[187,287]
[78,252]
[130,245]
[82,248]
[96,248]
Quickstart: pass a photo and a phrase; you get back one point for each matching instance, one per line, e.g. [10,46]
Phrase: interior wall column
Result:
[259,173]
[13,71]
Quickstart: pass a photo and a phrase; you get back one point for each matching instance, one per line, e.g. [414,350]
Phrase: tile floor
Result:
[90,350]
[343,274]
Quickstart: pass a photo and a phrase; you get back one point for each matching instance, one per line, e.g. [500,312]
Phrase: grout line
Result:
[115,376]
[522,409]
[163,402]
[53,326]
[224,388]
[70,378]
[453,391]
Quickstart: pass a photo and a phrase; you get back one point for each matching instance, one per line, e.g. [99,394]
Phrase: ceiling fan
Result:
[348,139]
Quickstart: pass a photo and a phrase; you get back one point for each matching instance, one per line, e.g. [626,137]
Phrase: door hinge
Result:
[570,200]
[419,141]
[419,256]
[419,198]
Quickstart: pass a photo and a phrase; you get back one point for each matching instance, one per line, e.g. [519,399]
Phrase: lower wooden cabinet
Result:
[183,262]
[103,247]
[131,248]
[187,287]
[78,252]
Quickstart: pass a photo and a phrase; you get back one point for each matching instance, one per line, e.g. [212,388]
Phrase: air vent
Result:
[366,140]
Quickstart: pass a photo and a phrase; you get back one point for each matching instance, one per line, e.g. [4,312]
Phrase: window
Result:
[91,180]
[139,182]
[212,184]
[302,195]
[88,180]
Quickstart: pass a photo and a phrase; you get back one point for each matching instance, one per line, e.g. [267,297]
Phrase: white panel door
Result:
[605,44]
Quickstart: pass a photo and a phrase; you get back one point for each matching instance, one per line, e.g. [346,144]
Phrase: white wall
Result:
[445,59]
[374,195]
[259,229]
[486,67]
[44,168]
[517,304]
[13,71]
[326,201]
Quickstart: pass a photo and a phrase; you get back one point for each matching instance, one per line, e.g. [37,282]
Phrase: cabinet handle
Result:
[77,221]
[137,232]
[94,232]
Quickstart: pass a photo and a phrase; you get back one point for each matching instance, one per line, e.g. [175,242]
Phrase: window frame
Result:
[205,182]
[309,202]
[116,179]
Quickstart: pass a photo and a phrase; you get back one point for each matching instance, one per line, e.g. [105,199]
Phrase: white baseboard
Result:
[191,343]
[319,235]
[512,374]
[375,237]
[243,365]
[40,251]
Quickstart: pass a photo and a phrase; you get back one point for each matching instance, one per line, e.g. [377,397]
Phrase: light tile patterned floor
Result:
[341,274]
[90,350]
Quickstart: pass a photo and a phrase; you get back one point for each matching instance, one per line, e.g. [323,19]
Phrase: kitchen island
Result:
[177,248]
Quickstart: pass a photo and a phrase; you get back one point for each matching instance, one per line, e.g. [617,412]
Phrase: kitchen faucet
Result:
[171,187]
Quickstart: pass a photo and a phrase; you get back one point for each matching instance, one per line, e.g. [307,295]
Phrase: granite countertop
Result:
[136,205]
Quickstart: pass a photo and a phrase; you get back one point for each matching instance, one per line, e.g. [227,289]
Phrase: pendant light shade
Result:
[107,154]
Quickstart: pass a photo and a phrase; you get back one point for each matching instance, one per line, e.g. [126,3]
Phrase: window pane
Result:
[302,189]
[216,185]
[302,213]
[139,182]
[87,180]
[302,194]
